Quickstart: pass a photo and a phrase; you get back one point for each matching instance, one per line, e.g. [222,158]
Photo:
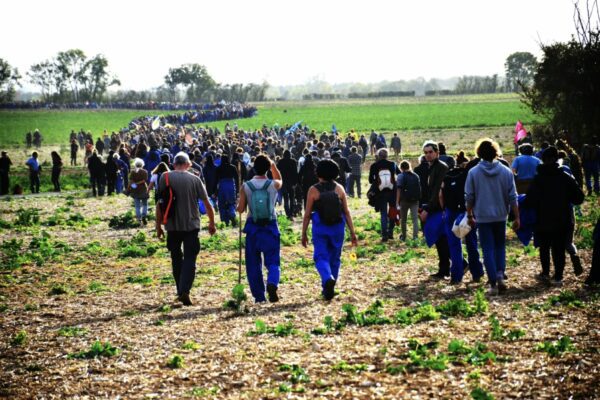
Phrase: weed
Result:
[58,289]
[499,334]
[124,221]
[345,367]
[279,330]
[27,217]
[71,331]
[481,394]
[565,298]
[191,345]
[301,263]
[95,248]
[554,349]
[97,287]
[297,373]
[159,322]
[328,326]
[455,307]
[480,303]
[136,247]
[143,280]
[238,297]
[201,392]
[403,258]
[19,339]
[31,307]
[373,315]
[98,349]
[165,309]
[175,362]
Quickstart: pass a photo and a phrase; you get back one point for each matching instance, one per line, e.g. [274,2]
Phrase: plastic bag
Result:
[461,227]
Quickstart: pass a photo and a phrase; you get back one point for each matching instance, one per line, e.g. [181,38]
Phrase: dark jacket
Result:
[289,171]
[437,172]
[382,165]
[422,170]
[551,194]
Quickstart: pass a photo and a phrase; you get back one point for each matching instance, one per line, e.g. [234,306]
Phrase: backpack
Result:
[411,187]
[385,179]
[167,201]
[329,205]
[454,189]
[261,207]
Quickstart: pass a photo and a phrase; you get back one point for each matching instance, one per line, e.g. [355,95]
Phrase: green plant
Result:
[554,349]
[238,297]
[97,287]
[138,246]
[480,303]
[455,307]
[143,280]
[279,330]
[98,349]
[190,345]
[27,217]
[71,331]
[201,392]
[19,339]
[345,367]
[565,298]
[297,373]
[481,394]
[175,362]
[59,289]
[499,334]
[328,326]
[124,221]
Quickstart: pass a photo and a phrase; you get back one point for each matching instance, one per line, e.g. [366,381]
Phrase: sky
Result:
[285,42]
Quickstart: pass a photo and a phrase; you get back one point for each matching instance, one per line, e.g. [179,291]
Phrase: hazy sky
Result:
[285,42]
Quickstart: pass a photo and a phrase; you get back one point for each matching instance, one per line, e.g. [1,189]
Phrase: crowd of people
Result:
[452,200]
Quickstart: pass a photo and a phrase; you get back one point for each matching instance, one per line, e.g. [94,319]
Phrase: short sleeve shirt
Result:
[188,190]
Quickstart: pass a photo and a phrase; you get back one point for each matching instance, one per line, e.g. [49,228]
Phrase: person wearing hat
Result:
[5,164]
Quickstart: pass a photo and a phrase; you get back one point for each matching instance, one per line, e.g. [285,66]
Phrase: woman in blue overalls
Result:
[327,207]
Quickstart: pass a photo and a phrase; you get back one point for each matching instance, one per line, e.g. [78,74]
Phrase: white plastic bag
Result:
[461,227]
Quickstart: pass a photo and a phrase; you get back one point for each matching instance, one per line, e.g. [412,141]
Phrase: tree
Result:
[9,78]
[95,78]
[71,66]
[46,76]
[193,76]
[566,84]
[520,68]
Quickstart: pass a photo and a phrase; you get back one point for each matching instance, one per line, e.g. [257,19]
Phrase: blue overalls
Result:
[328,241]
[262,248]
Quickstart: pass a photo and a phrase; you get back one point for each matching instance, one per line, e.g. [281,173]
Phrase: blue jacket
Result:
[490,191]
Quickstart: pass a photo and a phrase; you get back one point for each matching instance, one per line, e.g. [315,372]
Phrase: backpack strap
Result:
[251,186]
[267,184]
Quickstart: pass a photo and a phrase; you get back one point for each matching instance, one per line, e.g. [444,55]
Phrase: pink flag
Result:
[519,126]
[520,135]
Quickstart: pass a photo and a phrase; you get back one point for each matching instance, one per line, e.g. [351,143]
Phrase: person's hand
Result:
[516,224]
[212,229]
[471,221]
[304,239]
[160,234]
[354,239]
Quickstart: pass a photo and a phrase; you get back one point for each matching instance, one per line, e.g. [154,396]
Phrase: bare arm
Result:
[342,194]
[241,207]
[159,231]
[210,213]
[277,182]
[310,200]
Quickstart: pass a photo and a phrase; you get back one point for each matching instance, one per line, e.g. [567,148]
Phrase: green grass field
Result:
[383,115]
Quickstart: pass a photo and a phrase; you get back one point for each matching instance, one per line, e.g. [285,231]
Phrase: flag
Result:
[156,123]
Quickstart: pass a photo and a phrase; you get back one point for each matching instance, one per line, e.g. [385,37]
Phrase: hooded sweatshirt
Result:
[490,190]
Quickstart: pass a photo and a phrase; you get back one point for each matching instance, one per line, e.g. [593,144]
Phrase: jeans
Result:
[141,208]
[34,182]
[475,265]
[456,254]
[592,172]
[413,206]
[288,194]
[386,200]
[56,179]
[183,262]
[492,236]
[352,181]
[555,241]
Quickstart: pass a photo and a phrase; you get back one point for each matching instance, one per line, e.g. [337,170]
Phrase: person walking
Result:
[431,209]
[382,175]
[327,208]
[5,164]
[97,171]
[227,175]
[524,167]
[490,193]
[258,197]
[408,194]
[138,190]
[74,150]
[355,160]
[183,226]
[56,169]
[552,194]
[289,175]
[396,145]
[34,172]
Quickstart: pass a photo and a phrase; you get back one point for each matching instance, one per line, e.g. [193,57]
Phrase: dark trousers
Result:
[555,242]
[594,277]
[386,201]
[592,172]
[4,183]
[97,185]
[443,255]
[56,179]
[183,262]
[73,158]
[111,182]
[354,180]
[34,182]
[288,193]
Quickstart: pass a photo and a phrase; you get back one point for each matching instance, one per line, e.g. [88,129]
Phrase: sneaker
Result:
[329,290]
[493,291]
[185,299]
[577,265]
[545,278]
[145,221]
[439,275]
[501,286]
[557,282]
[272,292]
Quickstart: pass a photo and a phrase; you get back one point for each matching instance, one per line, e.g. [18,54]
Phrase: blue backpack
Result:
[261,206]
